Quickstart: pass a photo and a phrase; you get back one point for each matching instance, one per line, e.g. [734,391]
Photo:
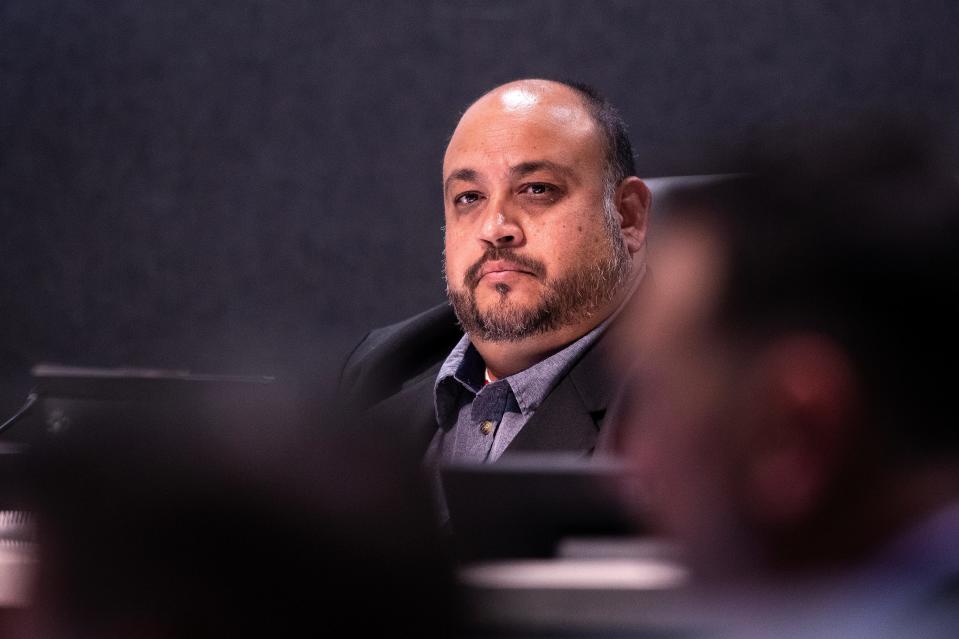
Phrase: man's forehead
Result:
[526,121]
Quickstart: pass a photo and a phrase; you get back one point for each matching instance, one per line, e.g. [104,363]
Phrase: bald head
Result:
[526,96]
[568,103]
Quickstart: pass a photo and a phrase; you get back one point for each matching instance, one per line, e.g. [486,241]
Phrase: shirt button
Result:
[487,427]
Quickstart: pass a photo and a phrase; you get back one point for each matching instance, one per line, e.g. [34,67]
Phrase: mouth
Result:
[502,268]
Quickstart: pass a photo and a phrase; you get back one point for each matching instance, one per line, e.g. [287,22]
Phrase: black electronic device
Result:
[69,397]
[526,505]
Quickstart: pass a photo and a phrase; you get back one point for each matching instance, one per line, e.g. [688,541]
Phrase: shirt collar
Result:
[462,369]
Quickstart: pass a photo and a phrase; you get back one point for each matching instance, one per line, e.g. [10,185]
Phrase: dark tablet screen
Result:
[525,505]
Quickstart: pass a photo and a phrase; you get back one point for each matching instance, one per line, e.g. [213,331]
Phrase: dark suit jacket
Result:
[391,373]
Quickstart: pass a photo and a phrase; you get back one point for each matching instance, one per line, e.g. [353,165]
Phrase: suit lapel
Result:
[408,417]
[570,417]
[561,423]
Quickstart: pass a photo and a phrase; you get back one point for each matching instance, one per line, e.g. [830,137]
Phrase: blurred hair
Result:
[856,239]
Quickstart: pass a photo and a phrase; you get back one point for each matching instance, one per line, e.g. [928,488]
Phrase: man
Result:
[545,229]
[797,363]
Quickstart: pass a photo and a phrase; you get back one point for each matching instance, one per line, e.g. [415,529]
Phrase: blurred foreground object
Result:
[792,411]
[206,510]
[545,548]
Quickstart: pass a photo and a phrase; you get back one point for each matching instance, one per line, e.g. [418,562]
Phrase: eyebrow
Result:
[520,170]
[466,175]
[525,168]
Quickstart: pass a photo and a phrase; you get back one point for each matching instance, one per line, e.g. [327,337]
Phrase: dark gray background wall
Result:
[239,186]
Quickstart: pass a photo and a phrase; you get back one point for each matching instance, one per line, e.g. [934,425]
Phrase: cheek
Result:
[456,251]
[566,244]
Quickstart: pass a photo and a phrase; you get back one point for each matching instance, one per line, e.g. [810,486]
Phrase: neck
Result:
[507,358]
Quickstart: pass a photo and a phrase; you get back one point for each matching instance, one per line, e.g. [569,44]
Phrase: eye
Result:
[465,199]
[541,192]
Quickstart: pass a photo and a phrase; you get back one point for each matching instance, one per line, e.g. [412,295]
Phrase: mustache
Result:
[534,266]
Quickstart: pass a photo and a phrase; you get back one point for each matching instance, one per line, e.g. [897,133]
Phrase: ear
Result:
[633,201]
[807,417]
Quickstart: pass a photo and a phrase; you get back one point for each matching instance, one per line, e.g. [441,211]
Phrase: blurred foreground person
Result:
[162,522]
[796,424]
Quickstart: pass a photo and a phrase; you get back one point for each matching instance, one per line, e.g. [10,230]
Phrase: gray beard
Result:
[565,302]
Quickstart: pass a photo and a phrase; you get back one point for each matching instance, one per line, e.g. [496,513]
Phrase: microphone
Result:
[31,400]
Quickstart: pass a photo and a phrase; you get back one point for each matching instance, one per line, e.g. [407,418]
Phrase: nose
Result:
[500,228]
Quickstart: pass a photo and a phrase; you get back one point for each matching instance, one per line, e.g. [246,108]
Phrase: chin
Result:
[512,302]
[517,293]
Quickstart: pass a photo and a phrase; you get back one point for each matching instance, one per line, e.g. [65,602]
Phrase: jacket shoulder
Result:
[391,355]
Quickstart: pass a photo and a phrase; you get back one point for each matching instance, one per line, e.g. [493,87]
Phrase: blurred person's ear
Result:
[804,425]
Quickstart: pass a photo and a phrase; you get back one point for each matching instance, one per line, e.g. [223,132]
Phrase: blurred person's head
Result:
[180,521]
[545,221]
[796,358]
